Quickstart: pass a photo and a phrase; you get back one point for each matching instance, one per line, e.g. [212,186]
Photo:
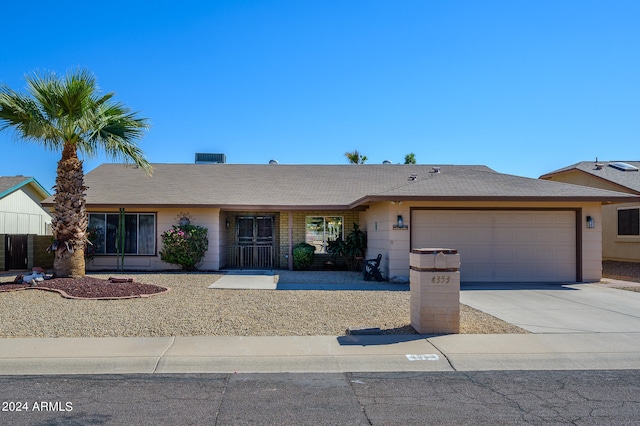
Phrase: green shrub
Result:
[303,256]
[185,246]
[352,248]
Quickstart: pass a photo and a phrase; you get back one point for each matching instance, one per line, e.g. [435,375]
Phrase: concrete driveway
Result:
[557,308]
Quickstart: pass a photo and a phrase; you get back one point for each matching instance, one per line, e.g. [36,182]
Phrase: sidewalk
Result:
[592,346]
[326,354]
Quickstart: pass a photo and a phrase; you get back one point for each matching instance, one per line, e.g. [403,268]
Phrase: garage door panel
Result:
[503,245]
[564,236]
[475,272]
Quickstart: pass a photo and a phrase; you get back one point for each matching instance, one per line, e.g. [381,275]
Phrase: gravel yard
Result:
[625,271]
[192,309]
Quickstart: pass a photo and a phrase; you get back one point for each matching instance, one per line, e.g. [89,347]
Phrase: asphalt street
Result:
[478,398]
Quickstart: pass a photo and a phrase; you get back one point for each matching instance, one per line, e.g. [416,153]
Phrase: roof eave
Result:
[554,174]
[36,185]
[226,207]
[515,198]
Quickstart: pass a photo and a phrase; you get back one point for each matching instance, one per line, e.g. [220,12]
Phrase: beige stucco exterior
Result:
[614,247]
[220,236]
[395,243]
[379,221]
[165,219]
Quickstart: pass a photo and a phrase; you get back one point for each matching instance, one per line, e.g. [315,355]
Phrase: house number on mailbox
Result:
[441,279]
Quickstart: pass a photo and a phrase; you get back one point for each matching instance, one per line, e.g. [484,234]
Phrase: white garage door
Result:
[502,246]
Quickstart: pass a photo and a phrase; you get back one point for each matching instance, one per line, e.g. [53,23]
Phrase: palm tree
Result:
[410,158]
[355,157]
[69,114]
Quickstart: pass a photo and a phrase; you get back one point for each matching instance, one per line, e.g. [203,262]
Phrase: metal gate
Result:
[16,252]
[254,235]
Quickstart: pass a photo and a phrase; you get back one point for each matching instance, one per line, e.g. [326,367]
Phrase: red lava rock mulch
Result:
[91,288]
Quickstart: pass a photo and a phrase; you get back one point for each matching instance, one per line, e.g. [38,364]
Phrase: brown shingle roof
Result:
[627,179]
[316,186]
[9,184]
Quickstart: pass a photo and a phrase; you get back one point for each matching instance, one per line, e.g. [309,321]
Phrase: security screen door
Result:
[255,241]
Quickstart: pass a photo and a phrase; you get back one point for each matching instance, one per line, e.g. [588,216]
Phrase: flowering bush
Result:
[185,246]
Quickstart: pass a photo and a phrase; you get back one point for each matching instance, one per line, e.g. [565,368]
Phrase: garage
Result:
[503,245]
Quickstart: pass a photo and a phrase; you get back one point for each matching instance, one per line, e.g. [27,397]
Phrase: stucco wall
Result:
[382,238]
[614,247]
[394,244]
[165,218]
[626,248]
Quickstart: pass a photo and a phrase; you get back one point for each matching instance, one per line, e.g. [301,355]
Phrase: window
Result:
[629,221]
[139,230]
[322,229]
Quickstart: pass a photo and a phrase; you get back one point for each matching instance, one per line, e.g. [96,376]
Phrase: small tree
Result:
[185,246]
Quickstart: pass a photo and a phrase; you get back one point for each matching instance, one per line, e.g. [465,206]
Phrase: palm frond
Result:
[71,110]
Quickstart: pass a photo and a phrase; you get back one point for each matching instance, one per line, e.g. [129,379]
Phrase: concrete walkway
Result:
[246,280]
[270,280]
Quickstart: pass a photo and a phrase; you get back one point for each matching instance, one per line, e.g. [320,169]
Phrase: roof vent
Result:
[205,158]
[273,161]
[413,177]
[435,170]
[599,166]
[625,167]
[386,162]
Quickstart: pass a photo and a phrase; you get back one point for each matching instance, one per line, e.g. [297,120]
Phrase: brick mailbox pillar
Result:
[435,290]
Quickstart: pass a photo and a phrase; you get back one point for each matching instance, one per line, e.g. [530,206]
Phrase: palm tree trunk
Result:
[70,217]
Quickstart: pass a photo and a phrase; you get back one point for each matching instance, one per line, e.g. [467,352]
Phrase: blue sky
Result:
[524,87]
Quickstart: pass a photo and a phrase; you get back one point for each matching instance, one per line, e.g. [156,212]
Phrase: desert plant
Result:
[94,234]
[352,248]
[185,246]
[303,256]
[120,241]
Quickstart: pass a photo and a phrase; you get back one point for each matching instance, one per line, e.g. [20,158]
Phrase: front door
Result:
[255,241]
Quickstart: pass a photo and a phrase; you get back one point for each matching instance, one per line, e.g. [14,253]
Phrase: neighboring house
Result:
[506,228]
[21,216]
[620,222]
